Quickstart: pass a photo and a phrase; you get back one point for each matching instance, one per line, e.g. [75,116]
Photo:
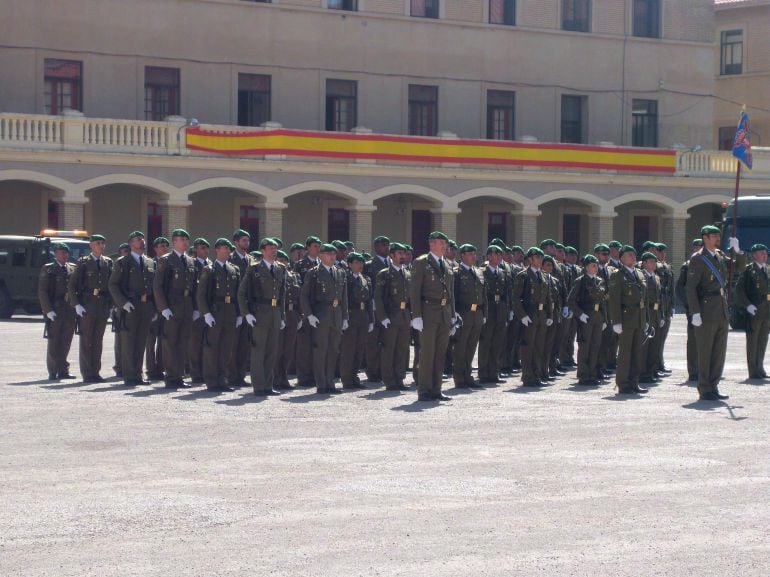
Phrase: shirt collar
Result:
[221,263]
[267,262]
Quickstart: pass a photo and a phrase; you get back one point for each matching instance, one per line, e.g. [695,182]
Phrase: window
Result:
[423,110]
[161,92]
[502,12]
[19,257]
[501,114]
[572,119]
[339,224]
[576,15]
[53,214]
[644,131]
[63,85]
[732,52]
[647,18]
[570,225]
[249,221]
[422,225]
[726,137]
[642,230]
[351,5]
[3,256]
[253,99]
[425,8]
[341,105]
[496,226]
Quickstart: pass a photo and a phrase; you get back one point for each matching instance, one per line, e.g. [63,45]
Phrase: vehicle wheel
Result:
[6,304]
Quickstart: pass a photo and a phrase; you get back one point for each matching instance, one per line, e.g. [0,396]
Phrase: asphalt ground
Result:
[103,480]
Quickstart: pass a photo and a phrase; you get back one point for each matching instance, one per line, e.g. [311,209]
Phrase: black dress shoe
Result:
[66,376]
[52,377]
[477,385]
[94,379]
[665,370]
[425,397]
[640,390]
[334,391]
[499,381]
[273,392]
[720,396]
[222,389]
[627,391]
[708,397]
[142,382]
[442,397]
[550,378]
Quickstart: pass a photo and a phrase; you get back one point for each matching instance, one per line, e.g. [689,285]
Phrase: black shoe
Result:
[550,378]
[143,382]
[545,383]
[52,377]
[425,397]
[223,389]
[353,386]
[285,386]
[477,385]
[720,396]
[334,391]
[708,397]
[93,379]
[665,370]
[648,380]
[442,397]
[273,392]
[628,391]
[66,376]
[640,390]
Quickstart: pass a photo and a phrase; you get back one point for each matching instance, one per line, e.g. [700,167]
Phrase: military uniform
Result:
[692,349]
[567,346]
[666,278]
[471,305]
[153,354]
[557,333]
[588,297]
[392,302]
[131,281]
[52,292]
[651,344]
[608,353]
[627,307]
[498,288]
[287,348]
[373,354]
[360,316]
[304,359]
[532,298]
[88,288]
[512,345]
[195,351]
[753,288]
[241,352]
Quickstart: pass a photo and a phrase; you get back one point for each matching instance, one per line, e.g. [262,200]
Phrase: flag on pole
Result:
[742,142]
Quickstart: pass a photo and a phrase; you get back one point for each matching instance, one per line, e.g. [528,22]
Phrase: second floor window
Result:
[502,12]
[424,8]
[501,114]
[647,18]
[576,15]
[731,60]
[573,109]
[341,100]
[644,131]
[161,92]
[423,110]
[63,85]
[253,99]
[351,5]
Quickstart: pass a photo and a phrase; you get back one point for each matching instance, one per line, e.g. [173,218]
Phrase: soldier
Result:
[217,297]
[627,316]
[587,301]
[287,339]
[360,322]
[195,353]
[174,287]
[262,299]
[471,305]
[372,268]
[392,313]
[498,286]
[514,327]
[304,358]
[241,352]
[753,294]
[154,348]
[667,286]
[130,287]
[451,255]
[342,254]
[60,316]
[614,247]
[653,320]
[552,332]
[532,305]
[89,294]
[609,349]
[123,250]
[573,271]
[561,311]
[681,294]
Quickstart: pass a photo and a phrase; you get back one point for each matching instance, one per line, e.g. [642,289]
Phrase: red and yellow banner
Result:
[412,149]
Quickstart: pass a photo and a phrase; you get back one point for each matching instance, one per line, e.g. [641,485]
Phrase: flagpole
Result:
[735,233]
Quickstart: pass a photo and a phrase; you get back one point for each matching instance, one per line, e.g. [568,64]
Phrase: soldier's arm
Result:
[304,295]
[42,291]
[572,298]
[158,284]
[380,293]
[344,303]
[243,292]
[693,280]
[615,290]
[681,283]
[73,284]
[282,293]
[202,294]
[116,291]
[415,292]
[741,296]
[518,293]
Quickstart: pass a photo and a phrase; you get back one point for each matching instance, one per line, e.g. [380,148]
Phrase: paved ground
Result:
[101,480]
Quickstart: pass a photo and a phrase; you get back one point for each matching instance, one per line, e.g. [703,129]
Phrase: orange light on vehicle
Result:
[63,233]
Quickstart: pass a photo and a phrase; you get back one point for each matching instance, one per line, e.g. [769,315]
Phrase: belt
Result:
[98,293]
[465,307]
[720,292]
[334,304]
[272,302]
[225,299]
[441,302]
[590,306]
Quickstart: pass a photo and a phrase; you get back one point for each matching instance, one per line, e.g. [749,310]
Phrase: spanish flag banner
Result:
[414,149]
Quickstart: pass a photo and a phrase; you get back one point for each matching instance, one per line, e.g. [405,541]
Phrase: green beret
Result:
[697,242]
[601,247]
[758,247]
[467,248]
[615,244]
[438,235]
[366,255]
[349,245]
[709,229]
[180,232]
[256,253]
[397,246]
[61,246]
[507,249]
[296,246]
[97,237]
[408,247]
[549,258]
[160,240]
[328,248]
[283,255]
[589,258]
[240,233]
[547,242]
[267,241]
[453,244]
[382,240]
[135,234]
[497,242]
[627,248]
[356,256]
[661,246]
[534,251]
[649,256]
[123,245]
[278,242]
[200,241]
[494,248]
[570,250]
[223,242]
[559,246]
[517,248]
[312,240]
[338,244]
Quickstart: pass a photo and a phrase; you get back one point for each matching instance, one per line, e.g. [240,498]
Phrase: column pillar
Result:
[71,213]
[361,226]
[675,237]
[175,215]
[273,220]
[525,228]
[600,228]
[445,220]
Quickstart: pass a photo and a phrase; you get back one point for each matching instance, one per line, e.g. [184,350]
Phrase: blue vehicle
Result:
[753,221]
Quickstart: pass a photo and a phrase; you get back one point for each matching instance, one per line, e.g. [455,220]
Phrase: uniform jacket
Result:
[705,293]
[498,294]
[392,296]
[262,293]
[88,285]
[52,286]
[293,290]
[753,288]
[470,290]
[216,286]
[174,283]
[304,265]
[589,296]
[325,295]
[531,295]
[199,266]
[430,288]
[627,298]
[360,295]
[129,283]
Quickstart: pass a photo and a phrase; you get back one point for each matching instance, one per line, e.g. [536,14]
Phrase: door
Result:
[421,228]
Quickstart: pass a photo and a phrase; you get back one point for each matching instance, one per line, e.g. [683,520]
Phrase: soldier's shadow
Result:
[687,384]
[460,391]
[61,386]
[578,388]
[417,406]
[37,382]
[522,390]
[241,401]
[709,406]
[379,395]
[308,398]
[624,397]
[756,382]
[151,392]
[199,394]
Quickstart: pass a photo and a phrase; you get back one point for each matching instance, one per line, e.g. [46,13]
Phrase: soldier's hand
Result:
[453,331]
[483,320]
[751,309]
[696,320]
[662,323]
[385,323]
[371,328]
[313,320]
[565,312]
[128,307]
[167,314]
[208,318]
[238,321]
[584,318]
[80,310]
[252,320]
[283,324]
[735,245]
[618,328]
[345,325]
[604,326]
[196,315]
[548,322]
[154,318]
[417,324]
[510,316]
[299,324]
[526,321]
[51,316]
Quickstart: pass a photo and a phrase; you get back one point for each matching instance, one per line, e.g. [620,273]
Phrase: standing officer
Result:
[262,299]
[174,287]
[195,352]
[296,253]
[753,294]
[433,313]
[627,316]
[706,282]
[372,268]
[681,294]
[360,322]
[567,352]
[498,286]
[123,250]
[653,325]
[532,306]
[587,300]
[325,304]
[514,327]
[217,297]
[60,316]
[392,314]
[89,294]
[667,300]
[304,358]
[287,347]
[471,305]
[608,354]
[130,287]
[239,357]
[553,331]
[154,353]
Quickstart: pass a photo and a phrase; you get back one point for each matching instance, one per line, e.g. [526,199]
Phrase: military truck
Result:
[22,257]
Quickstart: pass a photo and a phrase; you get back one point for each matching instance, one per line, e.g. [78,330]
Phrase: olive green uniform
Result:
[608,354]
[532,298]
[392,301]
[217,294]
[88,288]
[513,338]
[627,307]
[498,287]
[153,355]
[195,350]
[360,316]
[304,358]
[753,288]
[52,292]
[588,296]
[373,353]
[567,346]
[692,349]
[241,351]
[667,286]
[471,305]
[285,362]
[555,331]
[651,344]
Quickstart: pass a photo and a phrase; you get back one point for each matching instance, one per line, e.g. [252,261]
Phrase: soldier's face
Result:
[283,261]
[438,246]
[560,254]
[313,249]
[296,255]
[97,247]
[547,267]
[614,253]
[508,257]
[518,257]
[398,256]
[535,261]
[382,249]
[223,253]
[468,258]
[181,243]
[494,258]
[137,244]
[760,256]
[161,249]
[649,265]
[592,268]
[603,257]
[202,251]
[61,255]
[243,244]
[628,259]
[356,266]
[711,241]
[269,252]
[571,258]
[328,258]
[451,253]
[124,251]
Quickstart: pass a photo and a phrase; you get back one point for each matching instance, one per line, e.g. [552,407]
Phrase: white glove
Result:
[646,327]
[526,321]
[457,316]
[565,312]
[735,245]
[167,314]
[345,325]
[385,323]
[696,320]
[510,316]
[51,316]
[313,320]
[196,315]
[604,326]
[618,328]
[548,322]
[299,324]
[751,309]
[417,324]
[453,331]
[662,323]
[128,307]
[283,324]
[483,320]
[154,318]
[584,318]
[80,310]
[371,328]
[251,319]
[208,318]
[238,321]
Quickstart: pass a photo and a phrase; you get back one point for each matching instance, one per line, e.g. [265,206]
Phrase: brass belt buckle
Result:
[655,306]
[474,306]
[596,308]
[291,306]
[497,298]
[363,306]
[143,298]
[402,305]
[335,302]
[540,307]
[96,292]
[273,302]
[443,302]
[227,300]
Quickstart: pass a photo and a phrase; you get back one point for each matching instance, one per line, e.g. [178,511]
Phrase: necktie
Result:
[441,265]
[272,271]
[539,277]
[403,276]
[98,264]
